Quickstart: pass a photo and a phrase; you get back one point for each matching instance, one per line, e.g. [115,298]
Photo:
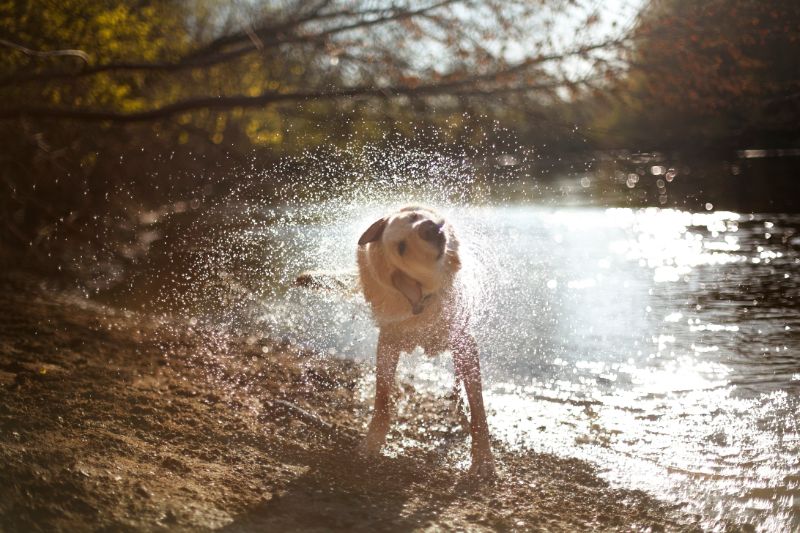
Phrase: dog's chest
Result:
[432,329]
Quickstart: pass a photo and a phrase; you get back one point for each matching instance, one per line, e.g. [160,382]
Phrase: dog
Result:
[408,263]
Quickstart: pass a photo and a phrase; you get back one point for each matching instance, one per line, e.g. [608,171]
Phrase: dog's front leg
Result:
[467,365]
[385,369]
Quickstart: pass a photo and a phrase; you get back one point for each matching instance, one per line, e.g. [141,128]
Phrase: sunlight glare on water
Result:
[660,344]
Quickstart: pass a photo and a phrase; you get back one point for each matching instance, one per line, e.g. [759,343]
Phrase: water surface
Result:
[662,345]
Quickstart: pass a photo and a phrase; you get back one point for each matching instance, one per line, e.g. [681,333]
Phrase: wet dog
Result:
[408,264]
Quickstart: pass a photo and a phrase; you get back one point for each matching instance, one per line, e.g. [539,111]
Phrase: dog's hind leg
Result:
[385,369]
[468,369]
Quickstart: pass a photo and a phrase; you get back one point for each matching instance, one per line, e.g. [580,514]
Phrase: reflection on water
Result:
[660,344]
[677,335]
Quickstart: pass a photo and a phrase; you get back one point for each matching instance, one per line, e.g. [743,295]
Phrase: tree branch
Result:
[225,103]
[213,53]
[453,81]
[47,53]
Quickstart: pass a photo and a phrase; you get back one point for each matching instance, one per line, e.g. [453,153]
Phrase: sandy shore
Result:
[113,421]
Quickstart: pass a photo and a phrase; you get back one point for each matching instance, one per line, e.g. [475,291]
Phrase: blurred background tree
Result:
[721,74]
[96,91]
[109,107]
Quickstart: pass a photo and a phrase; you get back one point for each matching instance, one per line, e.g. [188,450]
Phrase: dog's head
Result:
[419,247]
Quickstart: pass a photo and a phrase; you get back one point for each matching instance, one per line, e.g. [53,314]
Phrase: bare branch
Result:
[225,103]
[46,53]
[250,40]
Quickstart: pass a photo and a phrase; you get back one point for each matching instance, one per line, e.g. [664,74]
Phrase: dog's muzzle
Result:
[432,232]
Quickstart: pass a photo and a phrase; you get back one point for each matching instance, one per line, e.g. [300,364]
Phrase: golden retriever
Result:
[408,263]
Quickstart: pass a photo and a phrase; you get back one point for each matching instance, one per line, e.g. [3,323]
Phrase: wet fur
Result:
[441,325]
[378,261]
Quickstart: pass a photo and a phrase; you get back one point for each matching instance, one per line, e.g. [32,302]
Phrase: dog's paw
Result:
[483,470]
[370,448]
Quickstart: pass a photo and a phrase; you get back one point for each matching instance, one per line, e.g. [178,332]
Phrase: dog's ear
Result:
[373,232]
[453,261]
[410,288]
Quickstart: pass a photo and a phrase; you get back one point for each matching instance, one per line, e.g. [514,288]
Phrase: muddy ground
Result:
[120,422]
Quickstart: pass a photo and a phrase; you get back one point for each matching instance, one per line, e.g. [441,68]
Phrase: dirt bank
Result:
[112,421]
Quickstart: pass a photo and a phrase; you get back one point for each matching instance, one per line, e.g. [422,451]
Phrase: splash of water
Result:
[657,343]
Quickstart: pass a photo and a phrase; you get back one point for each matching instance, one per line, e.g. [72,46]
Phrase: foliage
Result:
[717,72]
[110,107]
[100,97]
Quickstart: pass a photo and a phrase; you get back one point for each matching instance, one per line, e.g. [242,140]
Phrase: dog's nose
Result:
[431,232]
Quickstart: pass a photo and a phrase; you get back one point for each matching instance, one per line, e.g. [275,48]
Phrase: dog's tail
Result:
[328,281]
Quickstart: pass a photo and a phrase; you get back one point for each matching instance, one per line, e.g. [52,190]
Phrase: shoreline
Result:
[111,420]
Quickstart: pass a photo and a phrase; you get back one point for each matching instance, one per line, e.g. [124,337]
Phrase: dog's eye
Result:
[401,247]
